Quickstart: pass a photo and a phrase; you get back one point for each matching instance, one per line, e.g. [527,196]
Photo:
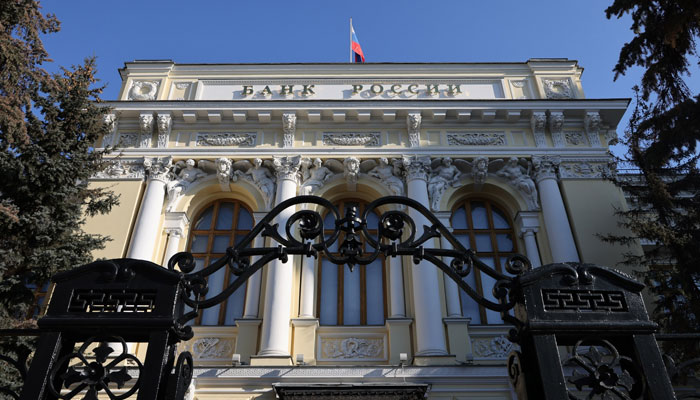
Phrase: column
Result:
[274,339]
[454,307]
[561,240]
[174,226]
[308,287]
[252,295]
[529,223]
[145,233]
[396,295]
[430,334]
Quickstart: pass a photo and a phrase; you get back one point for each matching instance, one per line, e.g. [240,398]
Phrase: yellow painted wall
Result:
[591,205]
[119,222]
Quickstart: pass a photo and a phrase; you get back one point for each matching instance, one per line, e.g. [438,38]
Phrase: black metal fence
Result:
[595,314]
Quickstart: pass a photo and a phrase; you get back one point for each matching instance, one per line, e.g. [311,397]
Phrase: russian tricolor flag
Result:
[358,55]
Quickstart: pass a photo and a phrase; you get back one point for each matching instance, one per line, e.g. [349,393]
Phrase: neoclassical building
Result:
[511,156]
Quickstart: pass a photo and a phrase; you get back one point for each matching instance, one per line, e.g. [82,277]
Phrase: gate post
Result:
[103,306]
[583,329]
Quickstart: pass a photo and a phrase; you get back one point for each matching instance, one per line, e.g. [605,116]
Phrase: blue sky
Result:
[317,31]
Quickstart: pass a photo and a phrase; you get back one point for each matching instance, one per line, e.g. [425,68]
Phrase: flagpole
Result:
[351,40]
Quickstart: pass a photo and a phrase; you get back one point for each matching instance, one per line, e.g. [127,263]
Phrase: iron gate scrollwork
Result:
[398,234]
[551,308]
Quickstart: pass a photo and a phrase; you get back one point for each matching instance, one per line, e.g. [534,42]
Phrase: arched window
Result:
[483,226]
[218,226]
[351,298]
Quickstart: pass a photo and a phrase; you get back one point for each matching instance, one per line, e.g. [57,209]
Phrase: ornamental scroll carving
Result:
[120,169]
[225,139]
[558,88]
[212,348]
[586,169]
[351,139]
[476,139]
[497,347]
[413,121]
[128,140]
[350,349]
[574,138]
[144,90]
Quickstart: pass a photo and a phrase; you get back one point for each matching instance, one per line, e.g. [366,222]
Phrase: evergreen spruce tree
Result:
[662,141]
[49,124]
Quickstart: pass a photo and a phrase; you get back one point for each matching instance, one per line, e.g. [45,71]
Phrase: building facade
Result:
[511,156]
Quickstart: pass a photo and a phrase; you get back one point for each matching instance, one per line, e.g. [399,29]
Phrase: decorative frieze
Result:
[259,174]
[558,88]
[476,138]
[444,174]
[517,171]
[574,138]
[183,174]
[352,348]
[352,171]
[494,348]
[119,169]
[316,173]
[389,175]
[128,140]
[351,139]
[538,121]
[585,169]
[144,90]
[413,121]
[289,126]
[225,139]
[223,173]
[213,348]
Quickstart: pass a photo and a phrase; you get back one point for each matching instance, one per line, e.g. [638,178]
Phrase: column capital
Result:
[289,127]
[287,167]
[176,223]
[416,167]
[413,121]
[158,168]
[546,167]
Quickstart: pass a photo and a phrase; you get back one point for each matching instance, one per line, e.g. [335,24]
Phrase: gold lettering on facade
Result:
[453,90]
[376,89]
[396,88]
[431,90]
[286,89]
[412,88]
[247,90]
[356,89]
[266,91]
[308,90]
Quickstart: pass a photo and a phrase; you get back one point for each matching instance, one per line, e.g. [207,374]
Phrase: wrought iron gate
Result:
[594,313]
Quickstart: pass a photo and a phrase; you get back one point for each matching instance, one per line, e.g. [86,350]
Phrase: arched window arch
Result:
[482,225]
[217,226]
[351,298]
